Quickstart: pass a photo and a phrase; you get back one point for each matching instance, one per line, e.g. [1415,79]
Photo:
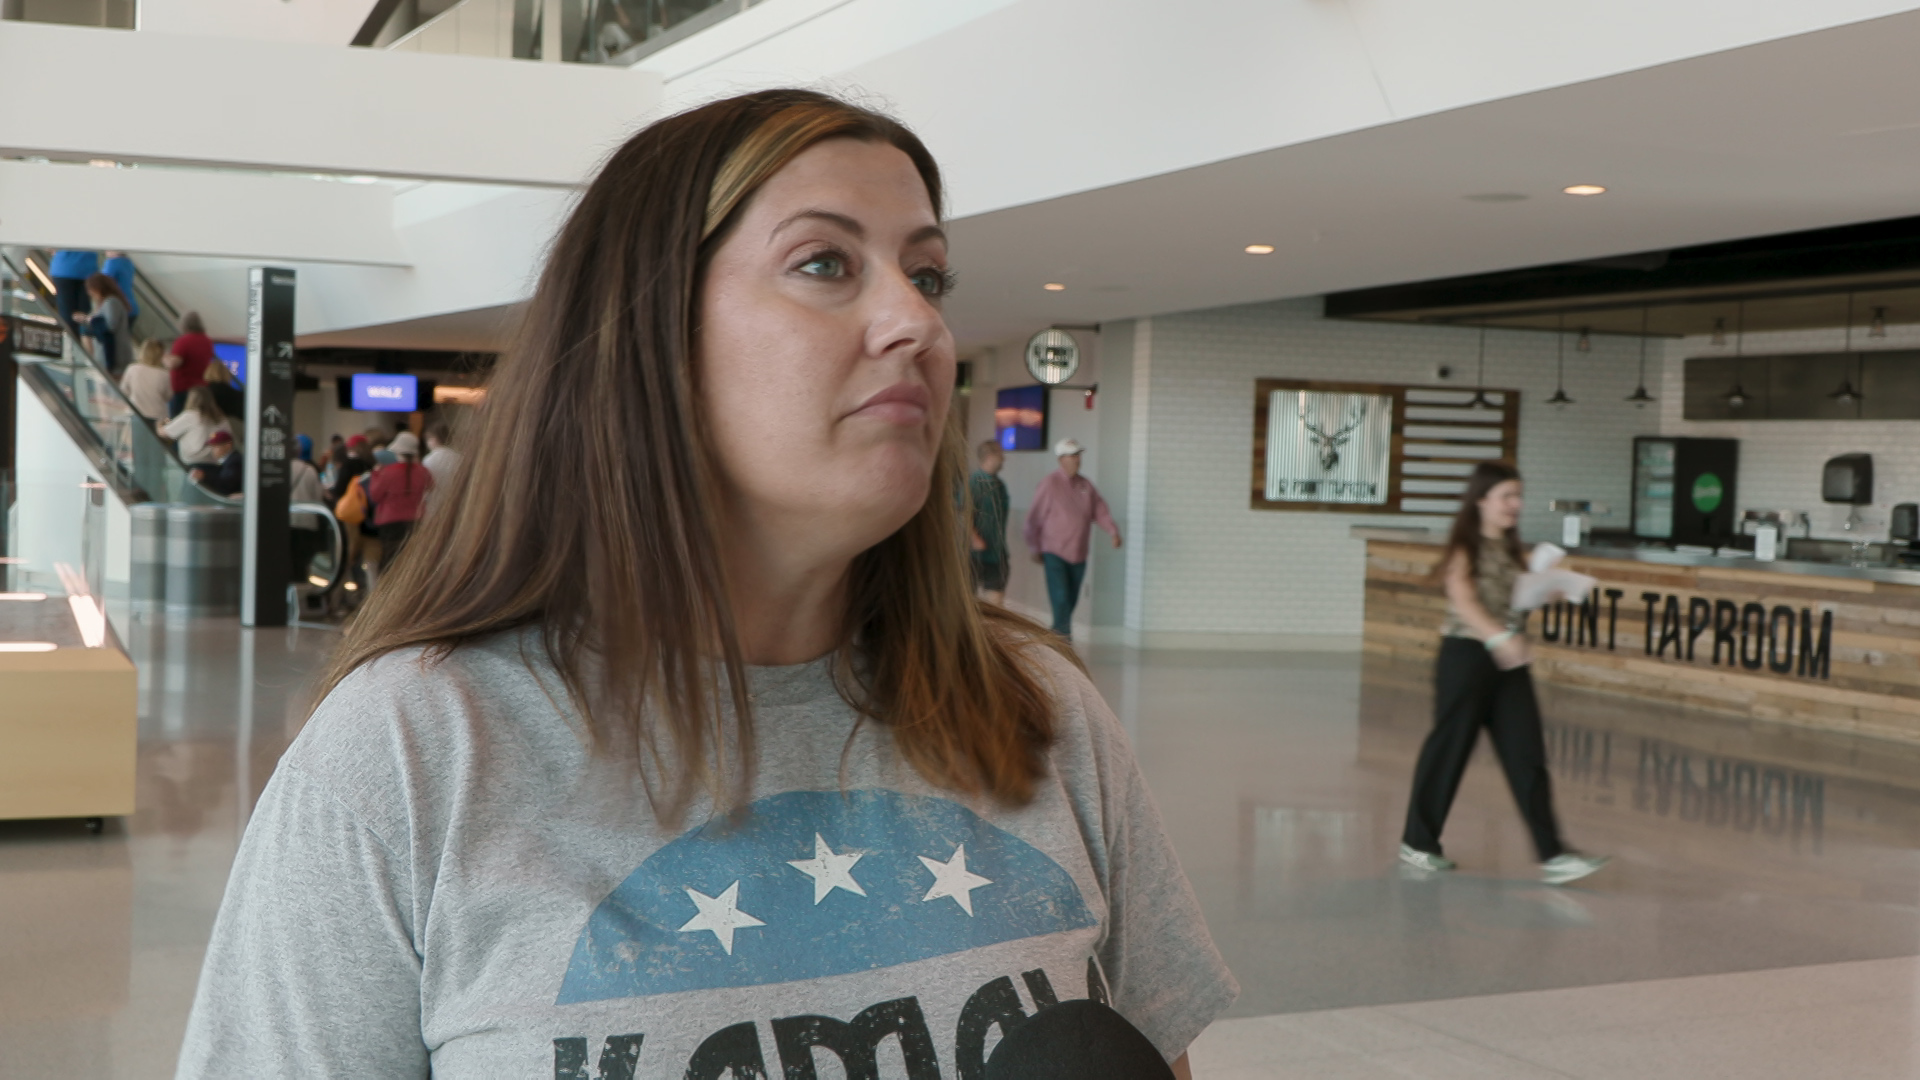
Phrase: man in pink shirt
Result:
[1066,506]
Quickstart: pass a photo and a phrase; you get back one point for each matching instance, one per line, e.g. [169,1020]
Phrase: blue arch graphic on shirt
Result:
[632,945]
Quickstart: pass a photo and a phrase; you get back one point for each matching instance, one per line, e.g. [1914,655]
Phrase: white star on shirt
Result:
[828,871]
[720,914]
[952,879]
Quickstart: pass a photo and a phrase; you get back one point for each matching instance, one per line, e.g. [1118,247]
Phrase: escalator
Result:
[135,463]
[122,447]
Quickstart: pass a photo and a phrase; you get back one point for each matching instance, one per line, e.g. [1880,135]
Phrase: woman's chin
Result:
[884,505]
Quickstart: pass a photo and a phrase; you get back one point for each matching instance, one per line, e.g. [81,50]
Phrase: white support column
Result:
[1137,446]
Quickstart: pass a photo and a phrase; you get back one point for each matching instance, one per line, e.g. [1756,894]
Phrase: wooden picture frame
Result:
[1472,441]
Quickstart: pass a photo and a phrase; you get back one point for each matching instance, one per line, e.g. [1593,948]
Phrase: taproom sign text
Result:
[1699,630]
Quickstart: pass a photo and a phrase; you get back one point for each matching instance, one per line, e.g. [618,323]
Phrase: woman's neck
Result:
[1493,534]
[789,603]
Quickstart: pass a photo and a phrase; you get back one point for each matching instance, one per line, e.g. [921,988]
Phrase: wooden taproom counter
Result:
[1811,644]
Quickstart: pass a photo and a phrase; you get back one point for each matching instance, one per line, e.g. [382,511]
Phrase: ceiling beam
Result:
[190,212]
[298,107]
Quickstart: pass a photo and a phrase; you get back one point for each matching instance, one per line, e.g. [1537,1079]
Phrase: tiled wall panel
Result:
[1780,460]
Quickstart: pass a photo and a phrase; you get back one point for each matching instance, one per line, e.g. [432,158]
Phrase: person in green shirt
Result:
[988,494]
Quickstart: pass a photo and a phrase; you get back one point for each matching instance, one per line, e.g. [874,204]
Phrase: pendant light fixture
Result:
[1585,344]
[1719,332]
[1847,395]
[1560,400]
[1737,397]
[1878,328]
[1480,399]
[1640,397]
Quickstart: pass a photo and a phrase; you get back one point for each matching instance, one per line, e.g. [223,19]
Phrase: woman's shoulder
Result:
[1083,724]
[409,719]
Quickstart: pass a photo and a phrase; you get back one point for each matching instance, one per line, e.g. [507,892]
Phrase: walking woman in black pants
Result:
[1481,680]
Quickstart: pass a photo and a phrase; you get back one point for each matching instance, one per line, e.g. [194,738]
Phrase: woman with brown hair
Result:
[1481,680]
[109,324]
[677,741]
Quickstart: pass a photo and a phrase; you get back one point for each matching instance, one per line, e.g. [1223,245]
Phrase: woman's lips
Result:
[902,403]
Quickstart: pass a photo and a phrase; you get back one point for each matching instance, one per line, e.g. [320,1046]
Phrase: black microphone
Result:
[1077,1040]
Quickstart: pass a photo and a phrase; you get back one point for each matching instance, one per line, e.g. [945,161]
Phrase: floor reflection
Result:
[101,939]
[1739,846]
[1282,778]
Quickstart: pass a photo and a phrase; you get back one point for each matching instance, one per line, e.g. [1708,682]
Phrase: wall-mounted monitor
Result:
[235,357]
[1020,418]
[386,393]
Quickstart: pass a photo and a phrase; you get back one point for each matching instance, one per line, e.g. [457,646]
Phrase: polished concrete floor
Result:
[1762,917]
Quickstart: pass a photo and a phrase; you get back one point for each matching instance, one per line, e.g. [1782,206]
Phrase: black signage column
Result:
[264,569]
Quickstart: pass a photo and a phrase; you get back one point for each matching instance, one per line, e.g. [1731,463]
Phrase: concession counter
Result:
[1812,644]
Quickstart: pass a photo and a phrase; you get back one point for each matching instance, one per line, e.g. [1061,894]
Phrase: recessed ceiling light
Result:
[1259,249]
[1054,286]
[1585,189]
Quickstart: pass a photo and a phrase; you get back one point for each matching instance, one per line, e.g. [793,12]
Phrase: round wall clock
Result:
[1052,356]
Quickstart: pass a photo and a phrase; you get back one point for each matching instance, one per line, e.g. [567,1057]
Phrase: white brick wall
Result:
[1780,459]
[1207,564]
[1212,565]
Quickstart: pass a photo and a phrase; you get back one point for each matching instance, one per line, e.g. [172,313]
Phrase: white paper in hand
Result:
[1545,557]
[1544,583]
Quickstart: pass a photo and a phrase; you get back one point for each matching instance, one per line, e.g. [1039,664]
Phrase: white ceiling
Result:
[1814,130]
[477,330]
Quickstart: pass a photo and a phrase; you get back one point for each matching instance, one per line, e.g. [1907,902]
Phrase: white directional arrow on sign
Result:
[273,415]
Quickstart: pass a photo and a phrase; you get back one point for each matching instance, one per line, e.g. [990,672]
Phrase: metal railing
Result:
[616,32]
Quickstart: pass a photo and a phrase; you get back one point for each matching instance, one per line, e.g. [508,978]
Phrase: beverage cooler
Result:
[1684,490]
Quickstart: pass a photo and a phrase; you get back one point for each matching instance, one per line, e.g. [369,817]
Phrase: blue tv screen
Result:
[1020,418]
[235,357]
[386,393]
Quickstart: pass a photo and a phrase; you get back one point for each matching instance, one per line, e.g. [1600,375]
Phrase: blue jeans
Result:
[1063,590]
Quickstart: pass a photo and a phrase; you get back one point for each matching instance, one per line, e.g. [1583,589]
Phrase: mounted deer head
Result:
[1331,444]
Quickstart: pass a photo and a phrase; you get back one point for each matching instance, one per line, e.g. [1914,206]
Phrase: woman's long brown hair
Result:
[586,509]
[1465,536]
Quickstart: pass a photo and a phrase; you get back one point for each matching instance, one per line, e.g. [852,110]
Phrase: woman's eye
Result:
[824,265]
[933,283]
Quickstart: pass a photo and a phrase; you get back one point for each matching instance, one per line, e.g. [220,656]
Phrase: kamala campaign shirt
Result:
[441,877]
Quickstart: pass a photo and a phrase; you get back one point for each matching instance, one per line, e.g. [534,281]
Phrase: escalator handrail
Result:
[140,278]
[82,433]
[337,531]
[76,348]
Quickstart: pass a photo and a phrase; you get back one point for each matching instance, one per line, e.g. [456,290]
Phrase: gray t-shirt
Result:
[440,877]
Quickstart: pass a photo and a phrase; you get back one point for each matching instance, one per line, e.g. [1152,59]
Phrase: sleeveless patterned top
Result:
[1494,576]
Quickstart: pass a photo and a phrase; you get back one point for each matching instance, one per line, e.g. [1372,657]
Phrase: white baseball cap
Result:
[1067,447]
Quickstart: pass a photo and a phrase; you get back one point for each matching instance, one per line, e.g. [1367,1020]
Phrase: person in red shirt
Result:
[397,492]
[187,360]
